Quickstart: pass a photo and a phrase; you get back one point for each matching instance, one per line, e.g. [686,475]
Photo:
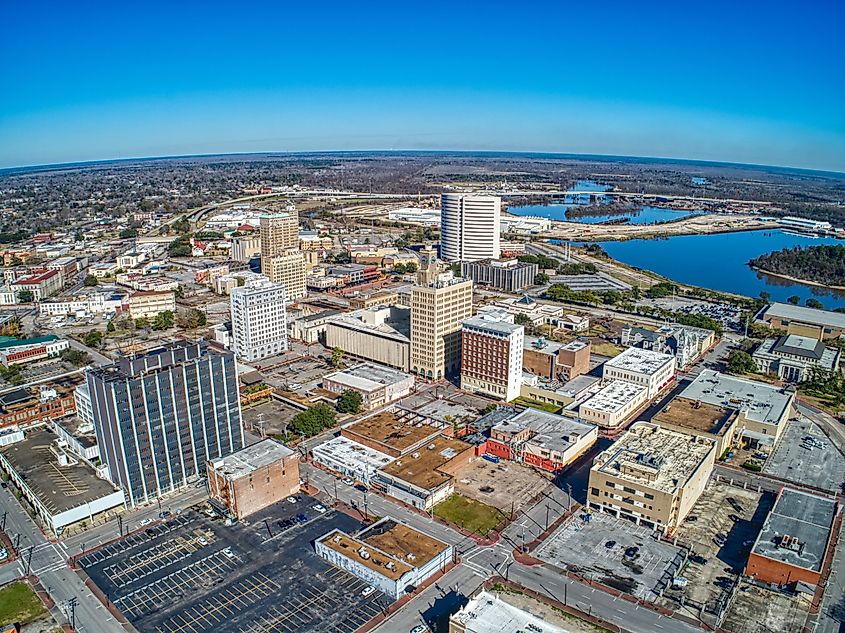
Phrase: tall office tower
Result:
[159,416]
[279,232]
[469,227]
[491,355]
[259,323]
[429,266]
[281,261]
[288,270]
[437,312]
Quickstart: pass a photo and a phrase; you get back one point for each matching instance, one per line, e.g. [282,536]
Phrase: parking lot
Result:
[822,467]
[500,485]
[194,574]
[597,550]
[738,521]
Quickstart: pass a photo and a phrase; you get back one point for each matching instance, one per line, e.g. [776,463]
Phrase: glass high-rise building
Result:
[161,414]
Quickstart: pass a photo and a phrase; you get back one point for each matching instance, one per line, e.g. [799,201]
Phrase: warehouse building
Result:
[390,556]
[614,404]
[350,459]
[377,385]
[651,476]
[817,324]
[729,410]
[381,335]
[496,613]
[538,438]
[253,478]
[556,361]
[509,275]
[425,477]
[795,536]
[652,370]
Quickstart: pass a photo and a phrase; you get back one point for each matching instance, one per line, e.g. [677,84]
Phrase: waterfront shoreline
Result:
[798,280]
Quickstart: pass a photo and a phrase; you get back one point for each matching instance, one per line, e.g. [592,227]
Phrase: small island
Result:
[821,265]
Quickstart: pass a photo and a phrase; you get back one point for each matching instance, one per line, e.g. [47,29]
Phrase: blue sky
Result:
[736,81]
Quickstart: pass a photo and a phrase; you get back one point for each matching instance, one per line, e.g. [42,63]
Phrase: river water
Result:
[719,261]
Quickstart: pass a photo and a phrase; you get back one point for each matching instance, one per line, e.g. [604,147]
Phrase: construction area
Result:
[194,574]
[756,609]
[503,485]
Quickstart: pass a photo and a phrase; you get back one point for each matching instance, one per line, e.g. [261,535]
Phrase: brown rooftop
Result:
[384,543]
[388,434]
[424,468]
[695,415]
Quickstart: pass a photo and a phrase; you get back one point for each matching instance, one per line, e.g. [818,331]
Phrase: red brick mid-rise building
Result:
[253,478]
[491,355]
[26,406]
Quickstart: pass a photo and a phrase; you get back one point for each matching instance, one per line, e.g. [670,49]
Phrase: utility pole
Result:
[120,525]
[72,605]
[3,526]
[28,560]
[366,515]
[267,525]
[568,497]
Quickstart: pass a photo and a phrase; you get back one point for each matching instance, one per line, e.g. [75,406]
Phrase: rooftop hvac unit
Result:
[337,538]
[363,553]
[411,556]
[415,455]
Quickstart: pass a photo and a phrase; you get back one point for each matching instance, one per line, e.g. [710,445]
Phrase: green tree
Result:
[75,357]
[110,327]
[25,296]
[180,247]
[163,320]
[740,362]
[142,323]
[540,279]
[794,300]
[94,338]
[313,421]
[522,319]
[814,303]
[349,401]
[126,234]
[337,356]
[90,280]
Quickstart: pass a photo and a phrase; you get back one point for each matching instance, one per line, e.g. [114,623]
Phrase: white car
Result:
[348,481]
[202,541]
[368,590]
[291,499]
[146,521]
[228,552]
[319,507]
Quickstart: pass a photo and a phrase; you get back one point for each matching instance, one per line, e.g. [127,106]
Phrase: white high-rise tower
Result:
[469,227]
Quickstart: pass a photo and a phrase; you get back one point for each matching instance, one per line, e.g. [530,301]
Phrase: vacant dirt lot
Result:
[501,484]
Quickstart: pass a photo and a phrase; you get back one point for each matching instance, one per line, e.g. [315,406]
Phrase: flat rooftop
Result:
[59,488]
[653,457]
[800,516]
[541,345]
[614,396]
[346,451]
[552,431]
[642,361]
[388,431]
[489,613]
[368,376]
[394,325]
[757,401]
[422,468]
[30,395]
[390,548]
[491,322]
[698,416]
[804,315]
[249,459]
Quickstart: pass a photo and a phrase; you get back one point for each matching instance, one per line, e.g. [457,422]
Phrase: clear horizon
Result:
[758,84]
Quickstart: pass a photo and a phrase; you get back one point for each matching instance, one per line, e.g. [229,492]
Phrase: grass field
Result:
[543,406]
[606,349]
[18,603]
[469,514]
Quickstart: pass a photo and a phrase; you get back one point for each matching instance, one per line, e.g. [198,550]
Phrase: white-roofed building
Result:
[350,459]
[378,385]
[652,370]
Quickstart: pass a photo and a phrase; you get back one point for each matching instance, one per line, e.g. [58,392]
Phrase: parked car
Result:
[736,505]
[734,518]
[164,514]
[301,518]
[319,507]
[348,481]
[419,628]
[632,551]
[698,558]
[145,521]
[368,590]
[291,499]
[610,544]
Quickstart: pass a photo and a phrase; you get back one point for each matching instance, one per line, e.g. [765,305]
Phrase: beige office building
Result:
[651,476]
[245,247]
[279,233]
[288,270]
[437,314]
